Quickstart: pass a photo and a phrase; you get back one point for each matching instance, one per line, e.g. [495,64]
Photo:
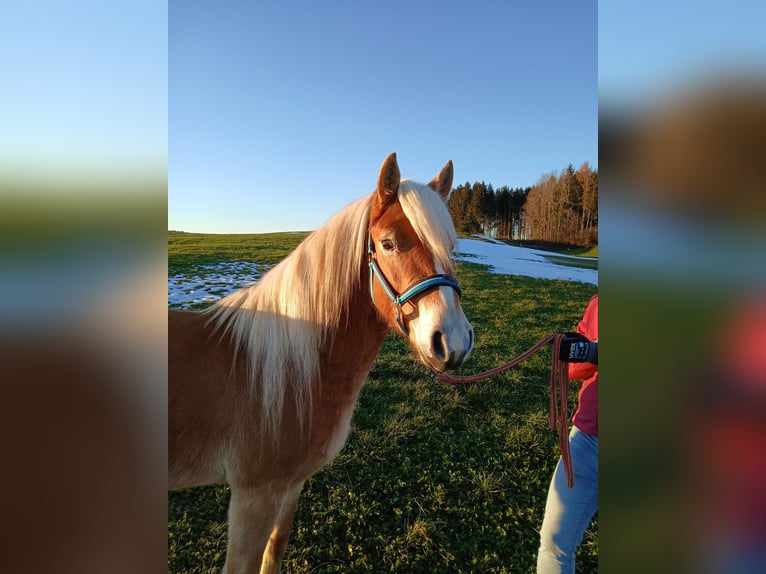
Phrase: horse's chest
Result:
[333,424]
[339,434]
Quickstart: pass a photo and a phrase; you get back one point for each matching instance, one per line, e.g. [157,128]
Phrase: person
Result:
[568,511]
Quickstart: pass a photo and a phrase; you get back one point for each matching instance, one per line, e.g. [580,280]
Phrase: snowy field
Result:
[211,282]
[509,260]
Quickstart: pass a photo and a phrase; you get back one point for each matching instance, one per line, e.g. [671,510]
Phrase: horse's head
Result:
[411,237]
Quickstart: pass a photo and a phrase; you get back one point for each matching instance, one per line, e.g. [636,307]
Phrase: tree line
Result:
[559,208]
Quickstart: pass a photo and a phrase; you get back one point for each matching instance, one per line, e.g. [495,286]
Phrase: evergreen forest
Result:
[560,209]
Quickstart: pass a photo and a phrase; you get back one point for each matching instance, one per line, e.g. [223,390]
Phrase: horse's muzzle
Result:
[449,352]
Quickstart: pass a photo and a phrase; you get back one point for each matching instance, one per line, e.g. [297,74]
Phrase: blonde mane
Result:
[430,218]
[282,322]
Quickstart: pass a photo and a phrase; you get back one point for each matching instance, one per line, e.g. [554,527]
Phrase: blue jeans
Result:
[568,511]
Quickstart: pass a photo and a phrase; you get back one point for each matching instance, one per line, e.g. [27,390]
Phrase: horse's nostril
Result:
[439,346]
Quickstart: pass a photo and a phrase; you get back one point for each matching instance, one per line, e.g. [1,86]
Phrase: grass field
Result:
[433,478]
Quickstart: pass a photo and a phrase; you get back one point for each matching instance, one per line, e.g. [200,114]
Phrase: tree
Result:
[457,206]
[509,223]
[589,182]
[503,208]
[539,210]
[465,207]
[571,207]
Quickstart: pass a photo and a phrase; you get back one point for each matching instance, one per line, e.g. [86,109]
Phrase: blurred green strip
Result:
[40,215]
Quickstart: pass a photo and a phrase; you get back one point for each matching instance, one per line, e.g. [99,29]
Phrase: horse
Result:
[262,385]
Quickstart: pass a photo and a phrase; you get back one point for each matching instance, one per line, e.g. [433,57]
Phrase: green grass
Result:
[186,251]
[585,263]
[434,478]
[585,252]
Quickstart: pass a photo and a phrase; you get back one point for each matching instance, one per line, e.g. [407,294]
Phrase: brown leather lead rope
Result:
[559,397]
[560,416]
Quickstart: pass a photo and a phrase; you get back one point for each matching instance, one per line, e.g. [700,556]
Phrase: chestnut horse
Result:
[262,385]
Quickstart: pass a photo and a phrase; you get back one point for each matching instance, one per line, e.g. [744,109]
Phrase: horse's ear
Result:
[442,183]
[388,180]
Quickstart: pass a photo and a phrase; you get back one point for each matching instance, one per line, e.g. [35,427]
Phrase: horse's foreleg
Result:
[275,549]
[252,515]
[259,526]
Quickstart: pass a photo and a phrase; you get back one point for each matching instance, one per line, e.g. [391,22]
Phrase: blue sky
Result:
[279,116]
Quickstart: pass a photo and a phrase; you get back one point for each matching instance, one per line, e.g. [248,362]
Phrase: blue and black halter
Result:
[426,284]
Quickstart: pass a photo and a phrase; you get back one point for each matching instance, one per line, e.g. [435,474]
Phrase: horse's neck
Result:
[358,339]
[344,366]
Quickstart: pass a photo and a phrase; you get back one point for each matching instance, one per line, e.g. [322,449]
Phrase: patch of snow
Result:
[511,260]
[212,282]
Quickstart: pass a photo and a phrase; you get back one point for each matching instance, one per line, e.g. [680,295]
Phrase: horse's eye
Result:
[387,244]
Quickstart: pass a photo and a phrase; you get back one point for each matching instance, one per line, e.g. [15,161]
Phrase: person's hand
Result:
[575,348]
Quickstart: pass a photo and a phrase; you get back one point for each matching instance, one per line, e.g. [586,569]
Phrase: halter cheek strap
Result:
[426,284]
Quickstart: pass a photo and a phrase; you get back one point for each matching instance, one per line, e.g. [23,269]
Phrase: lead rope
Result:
[560,416]
[559,396]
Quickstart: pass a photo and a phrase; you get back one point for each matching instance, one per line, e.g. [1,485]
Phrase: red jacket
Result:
[586,415]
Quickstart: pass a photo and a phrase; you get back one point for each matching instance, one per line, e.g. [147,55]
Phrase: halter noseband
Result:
[426,284]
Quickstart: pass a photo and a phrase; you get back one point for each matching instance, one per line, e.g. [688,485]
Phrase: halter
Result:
[426,284]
